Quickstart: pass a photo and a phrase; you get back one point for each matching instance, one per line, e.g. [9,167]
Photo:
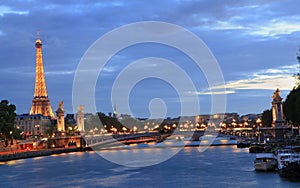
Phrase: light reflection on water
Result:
[139,157]
[37,158]
[15,162]
[225,166]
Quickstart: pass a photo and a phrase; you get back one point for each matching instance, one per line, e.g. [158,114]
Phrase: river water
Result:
[219,166]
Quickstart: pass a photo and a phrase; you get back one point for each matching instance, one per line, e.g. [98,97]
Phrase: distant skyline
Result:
[254,42]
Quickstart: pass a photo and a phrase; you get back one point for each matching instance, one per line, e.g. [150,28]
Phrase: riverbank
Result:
[8,156]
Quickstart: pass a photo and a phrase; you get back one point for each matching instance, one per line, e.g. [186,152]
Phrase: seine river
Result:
[219,166]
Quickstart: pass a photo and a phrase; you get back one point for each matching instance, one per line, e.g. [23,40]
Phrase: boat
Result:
[259,148]
[288,163]
[265,162]
[244,144]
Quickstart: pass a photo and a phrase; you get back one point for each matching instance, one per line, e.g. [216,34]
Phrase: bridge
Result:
[103,141]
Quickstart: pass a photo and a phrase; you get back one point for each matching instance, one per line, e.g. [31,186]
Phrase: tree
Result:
[267,118]
[7,117]
[110,121]
[291,106]
[297,76]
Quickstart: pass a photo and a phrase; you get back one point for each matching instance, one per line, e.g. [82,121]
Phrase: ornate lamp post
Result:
[37,131]
[258,122]
[11,138]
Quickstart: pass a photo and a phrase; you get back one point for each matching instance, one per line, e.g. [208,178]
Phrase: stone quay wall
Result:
[36,153]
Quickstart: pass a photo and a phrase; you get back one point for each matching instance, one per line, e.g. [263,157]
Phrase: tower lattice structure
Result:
[40,102]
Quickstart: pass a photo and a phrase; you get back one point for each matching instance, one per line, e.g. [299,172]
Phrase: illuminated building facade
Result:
[32,126]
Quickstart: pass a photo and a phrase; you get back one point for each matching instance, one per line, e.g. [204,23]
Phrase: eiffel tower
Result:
[40,102]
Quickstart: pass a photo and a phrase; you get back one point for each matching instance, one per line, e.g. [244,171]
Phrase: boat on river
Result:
[244,143]
[259,148]
[265,162]
[288,163]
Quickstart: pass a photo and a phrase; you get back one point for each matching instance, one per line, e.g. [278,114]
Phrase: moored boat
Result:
[265,162]
[243,144]
[288,163]
[259,148]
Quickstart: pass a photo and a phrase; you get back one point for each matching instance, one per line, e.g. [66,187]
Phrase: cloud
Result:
[257,19]
[284,82]
[272,29]
[286,69]
[29,71]
[223,92]
[7,10]
[223,25]
[268,79]
[275,28]
[59,72]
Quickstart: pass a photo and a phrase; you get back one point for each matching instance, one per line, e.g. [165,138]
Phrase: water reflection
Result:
[37,158]
[138,157]
[15,162]
[216,167]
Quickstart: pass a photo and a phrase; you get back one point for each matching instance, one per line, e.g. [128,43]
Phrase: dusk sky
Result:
[254,42]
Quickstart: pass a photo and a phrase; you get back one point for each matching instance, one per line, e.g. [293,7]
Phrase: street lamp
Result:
[258,121]
[70,131]
[11,138]
[124,130]
[37,130]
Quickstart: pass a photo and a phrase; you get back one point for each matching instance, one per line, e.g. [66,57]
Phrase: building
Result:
[202,118]
[70,119]
[33,126]
[231,117]
[250,117]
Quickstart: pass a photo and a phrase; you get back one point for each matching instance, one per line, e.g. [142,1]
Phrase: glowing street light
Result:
[258,121]
[134,129]
[11,136]
[124,129]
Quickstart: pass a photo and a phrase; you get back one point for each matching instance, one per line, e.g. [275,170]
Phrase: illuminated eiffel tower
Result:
[40,102]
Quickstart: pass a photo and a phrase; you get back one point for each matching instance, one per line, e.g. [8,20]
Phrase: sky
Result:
[254,42]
